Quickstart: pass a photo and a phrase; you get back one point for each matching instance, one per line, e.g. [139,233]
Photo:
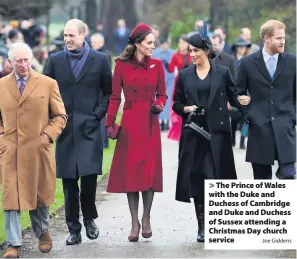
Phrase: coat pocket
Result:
[3,151]
[91,126]
[127,105]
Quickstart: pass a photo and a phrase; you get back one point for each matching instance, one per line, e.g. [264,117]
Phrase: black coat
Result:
[226,60]
[80,144]
[272,116]
[221,90]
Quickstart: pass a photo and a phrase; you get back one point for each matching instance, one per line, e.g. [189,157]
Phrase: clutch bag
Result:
[199,130]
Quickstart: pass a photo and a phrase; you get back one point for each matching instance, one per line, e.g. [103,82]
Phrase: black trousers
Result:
[86,197]
[262,172]
[284,171]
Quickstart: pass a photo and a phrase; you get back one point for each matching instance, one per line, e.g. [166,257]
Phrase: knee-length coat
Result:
[137,160]
[186,94]
[27,159]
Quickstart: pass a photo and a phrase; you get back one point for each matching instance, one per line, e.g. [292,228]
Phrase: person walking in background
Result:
[27,183]
[84,77]
[180,60]
[269,76]
[98,43]
[121,35]
[222,32]
[137,161]
[165,53]
[246,34]
[156,33]
[222,58]
[240,49]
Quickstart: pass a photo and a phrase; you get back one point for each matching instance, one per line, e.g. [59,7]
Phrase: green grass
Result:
[59,196]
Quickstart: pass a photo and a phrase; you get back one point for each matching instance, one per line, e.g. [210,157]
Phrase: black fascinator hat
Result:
[201,40]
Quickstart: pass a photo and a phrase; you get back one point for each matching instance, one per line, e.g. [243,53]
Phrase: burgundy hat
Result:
[139,30]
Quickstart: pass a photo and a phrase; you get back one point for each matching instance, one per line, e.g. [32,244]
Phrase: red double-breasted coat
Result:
[137,160]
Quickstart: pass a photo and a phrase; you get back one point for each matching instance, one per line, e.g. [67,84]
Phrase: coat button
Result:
[220,108]
[221,94]
[135,91]
[135,101]
[222,123]
[272,118]
[272,102]
[271,86]
[135,79]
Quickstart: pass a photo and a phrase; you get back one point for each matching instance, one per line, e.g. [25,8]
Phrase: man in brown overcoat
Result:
[32,116]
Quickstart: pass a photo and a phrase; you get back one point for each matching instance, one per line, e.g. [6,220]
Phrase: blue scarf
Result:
[78,58]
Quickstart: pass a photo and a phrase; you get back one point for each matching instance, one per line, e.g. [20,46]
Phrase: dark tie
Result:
[22,86]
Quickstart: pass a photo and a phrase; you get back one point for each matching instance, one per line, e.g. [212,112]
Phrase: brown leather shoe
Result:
[12,252]
[45,242]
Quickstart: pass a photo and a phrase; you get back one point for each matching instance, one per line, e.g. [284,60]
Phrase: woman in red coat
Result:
[137,160]
[180,60]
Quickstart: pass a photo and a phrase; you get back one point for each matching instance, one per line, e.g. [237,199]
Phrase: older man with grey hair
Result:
[27,164]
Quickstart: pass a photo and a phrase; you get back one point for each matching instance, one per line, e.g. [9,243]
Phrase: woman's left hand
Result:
[244,99]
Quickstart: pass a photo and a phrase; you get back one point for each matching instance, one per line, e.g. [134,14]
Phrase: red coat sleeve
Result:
[115,97]
[161,96]
[172,64]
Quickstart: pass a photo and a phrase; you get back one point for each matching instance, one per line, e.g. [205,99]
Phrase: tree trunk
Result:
[112,11]
[91,14]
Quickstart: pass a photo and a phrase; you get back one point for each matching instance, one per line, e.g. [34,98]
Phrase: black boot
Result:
[242,145]
[167,125]
[162,125]
[199,208]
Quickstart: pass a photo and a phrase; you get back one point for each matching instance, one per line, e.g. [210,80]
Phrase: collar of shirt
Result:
[266,56]
[25,79]
[144,63]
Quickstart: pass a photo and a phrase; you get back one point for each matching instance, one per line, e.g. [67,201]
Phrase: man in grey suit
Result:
[83,75]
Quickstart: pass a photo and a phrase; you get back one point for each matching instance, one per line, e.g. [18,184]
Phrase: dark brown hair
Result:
[130,49]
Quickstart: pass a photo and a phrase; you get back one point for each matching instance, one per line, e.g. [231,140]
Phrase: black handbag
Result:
[192,125]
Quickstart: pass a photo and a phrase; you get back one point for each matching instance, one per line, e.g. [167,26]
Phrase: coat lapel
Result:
[86,66]
[67,67]
[30,86]
[280,66]
[261,65]
[214,83]
[192,88]
[13,87]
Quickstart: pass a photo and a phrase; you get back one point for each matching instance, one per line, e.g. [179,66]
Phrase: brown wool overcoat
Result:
[27,161]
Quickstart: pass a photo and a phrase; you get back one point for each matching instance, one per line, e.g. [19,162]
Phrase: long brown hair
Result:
[130,49]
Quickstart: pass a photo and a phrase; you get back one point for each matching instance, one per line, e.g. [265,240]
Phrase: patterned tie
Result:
[22,86]
[271,66]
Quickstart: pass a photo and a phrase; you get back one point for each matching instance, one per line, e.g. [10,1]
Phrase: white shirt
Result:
[266,56]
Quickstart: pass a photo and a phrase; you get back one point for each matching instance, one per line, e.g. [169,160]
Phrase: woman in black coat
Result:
[204,88]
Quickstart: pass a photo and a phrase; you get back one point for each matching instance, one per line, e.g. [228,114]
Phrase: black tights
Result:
[133,200]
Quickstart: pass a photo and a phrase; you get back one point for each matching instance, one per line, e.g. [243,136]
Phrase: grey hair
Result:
[19,46]
[99,35]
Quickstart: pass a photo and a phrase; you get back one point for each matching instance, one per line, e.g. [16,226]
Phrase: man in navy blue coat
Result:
[82,74]
[269,76]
